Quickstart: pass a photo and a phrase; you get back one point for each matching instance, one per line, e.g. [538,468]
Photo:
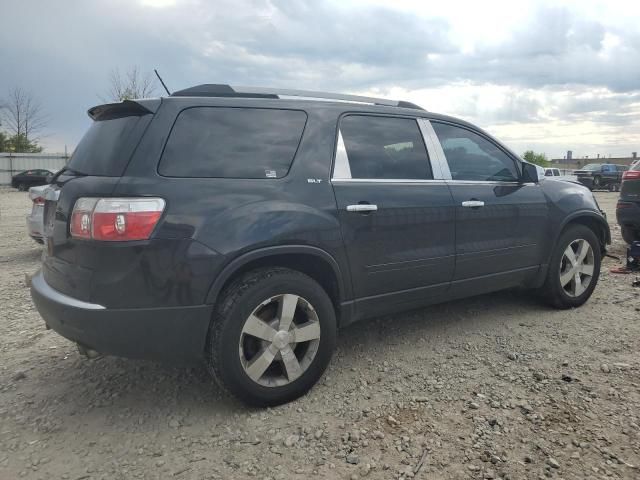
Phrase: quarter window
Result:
[232,143]
[472,157]
[384,148]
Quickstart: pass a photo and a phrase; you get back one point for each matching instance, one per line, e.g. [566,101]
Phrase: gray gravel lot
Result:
[496,386]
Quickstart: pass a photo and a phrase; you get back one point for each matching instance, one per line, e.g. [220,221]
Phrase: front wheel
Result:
[573,269]
[272,336]
[22,187]
[596,182]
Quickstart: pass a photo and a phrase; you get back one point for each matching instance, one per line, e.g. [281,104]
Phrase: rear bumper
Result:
[630,215]
[171,334]
[34,226]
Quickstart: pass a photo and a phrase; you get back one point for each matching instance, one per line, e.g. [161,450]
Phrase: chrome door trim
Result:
[388,181]
[439,164]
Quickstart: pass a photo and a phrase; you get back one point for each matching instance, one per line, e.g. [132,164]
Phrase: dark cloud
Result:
[63,51]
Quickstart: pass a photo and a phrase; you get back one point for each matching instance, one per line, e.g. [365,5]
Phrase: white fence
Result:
[12,163]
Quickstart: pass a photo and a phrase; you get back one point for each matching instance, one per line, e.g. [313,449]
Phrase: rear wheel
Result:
[573,269]
[596,182]
[629,234]
[22,187]
[272,336]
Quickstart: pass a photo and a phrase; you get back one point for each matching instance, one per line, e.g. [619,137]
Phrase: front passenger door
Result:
[501,222]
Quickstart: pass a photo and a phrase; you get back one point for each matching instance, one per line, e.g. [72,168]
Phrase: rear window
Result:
[219,142]
[107,146]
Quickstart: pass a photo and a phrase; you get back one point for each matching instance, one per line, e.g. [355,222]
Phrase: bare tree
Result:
[24,118]
[133,84]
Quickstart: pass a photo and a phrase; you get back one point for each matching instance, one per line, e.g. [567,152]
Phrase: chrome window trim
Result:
[489,182]
[390,181]
[439,165]
[341,167]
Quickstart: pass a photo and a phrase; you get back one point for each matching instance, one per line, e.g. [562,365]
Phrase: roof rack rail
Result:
[221,90]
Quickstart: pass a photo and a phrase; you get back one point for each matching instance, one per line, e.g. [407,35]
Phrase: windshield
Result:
[592,166]
[107,146]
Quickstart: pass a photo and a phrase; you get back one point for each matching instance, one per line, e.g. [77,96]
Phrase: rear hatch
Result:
[94,170]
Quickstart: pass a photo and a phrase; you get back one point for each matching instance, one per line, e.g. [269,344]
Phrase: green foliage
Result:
[536,158]
[18,144]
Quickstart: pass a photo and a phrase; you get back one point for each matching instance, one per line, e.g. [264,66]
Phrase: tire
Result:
[553,292]
[22,187]
[596,182]
[612,187]
[232,352]
[629,235]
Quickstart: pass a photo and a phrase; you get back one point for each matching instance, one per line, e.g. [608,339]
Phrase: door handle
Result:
[473,203]
[362,207]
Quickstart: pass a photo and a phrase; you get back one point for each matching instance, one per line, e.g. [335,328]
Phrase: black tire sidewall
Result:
[559,297]
[230,369]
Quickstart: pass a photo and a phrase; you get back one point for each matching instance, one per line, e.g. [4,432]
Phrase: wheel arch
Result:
[312,261]
[591,220]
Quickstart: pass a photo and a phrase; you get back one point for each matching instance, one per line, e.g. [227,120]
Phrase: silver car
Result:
[35,225]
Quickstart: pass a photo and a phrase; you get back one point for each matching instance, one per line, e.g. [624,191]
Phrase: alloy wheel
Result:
[577,267]
[279,340]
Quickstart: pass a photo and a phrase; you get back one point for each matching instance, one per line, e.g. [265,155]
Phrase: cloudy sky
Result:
[551,76]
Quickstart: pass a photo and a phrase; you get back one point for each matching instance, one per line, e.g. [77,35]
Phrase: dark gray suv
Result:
[241,227]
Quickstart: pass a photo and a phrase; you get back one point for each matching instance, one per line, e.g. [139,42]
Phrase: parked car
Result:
[601,176]
[628,206]
[30,178]
[35,225]
[242,227]
[556,174]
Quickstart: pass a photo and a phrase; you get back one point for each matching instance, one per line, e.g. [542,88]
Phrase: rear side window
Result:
[220,142]
[107,146]
[385,148]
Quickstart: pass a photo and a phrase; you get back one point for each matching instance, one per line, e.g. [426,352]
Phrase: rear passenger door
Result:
[501,222]
[397,218]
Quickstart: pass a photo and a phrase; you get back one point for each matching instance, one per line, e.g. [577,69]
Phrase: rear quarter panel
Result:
[230,217]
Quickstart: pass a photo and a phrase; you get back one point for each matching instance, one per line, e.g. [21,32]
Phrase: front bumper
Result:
[171,334]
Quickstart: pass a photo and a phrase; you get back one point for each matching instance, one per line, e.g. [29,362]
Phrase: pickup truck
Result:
[556,174]
[601,176]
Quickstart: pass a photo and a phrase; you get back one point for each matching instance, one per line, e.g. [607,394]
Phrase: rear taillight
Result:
[631,174]
[38,201]
[620,205]
[115,219]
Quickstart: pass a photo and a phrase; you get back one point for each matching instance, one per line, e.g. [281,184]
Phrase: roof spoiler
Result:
[126,108]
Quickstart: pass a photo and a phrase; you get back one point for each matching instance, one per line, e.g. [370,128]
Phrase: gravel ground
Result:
[496,386]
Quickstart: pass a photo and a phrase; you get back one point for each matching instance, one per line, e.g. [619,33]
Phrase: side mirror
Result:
[529,172]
